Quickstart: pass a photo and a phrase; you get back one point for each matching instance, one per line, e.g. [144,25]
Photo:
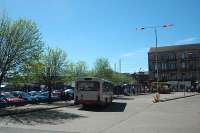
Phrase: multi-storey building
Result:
[175,63]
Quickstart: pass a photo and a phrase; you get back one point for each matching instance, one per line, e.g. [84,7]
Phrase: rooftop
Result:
[176,48]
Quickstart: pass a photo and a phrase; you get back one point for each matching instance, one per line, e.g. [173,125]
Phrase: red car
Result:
[12,100]
[58,93]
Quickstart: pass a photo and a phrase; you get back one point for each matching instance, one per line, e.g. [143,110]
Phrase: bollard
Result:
[156,98]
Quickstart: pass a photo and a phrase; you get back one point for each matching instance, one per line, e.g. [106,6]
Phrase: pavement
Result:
[21,130]
[126,114]
[176,95]
[33,107]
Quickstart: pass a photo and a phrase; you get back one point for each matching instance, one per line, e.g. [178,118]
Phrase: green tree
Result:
[126,79]
[69,73]
[53,64]
[102,69]
[74,70]
[20,42]
[80,69]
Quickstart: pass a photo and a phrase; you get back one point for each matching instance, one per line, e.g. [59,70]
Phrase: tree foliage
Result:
[120,78]
[81,69]
[74,70]
[52,67]
[20,42]
[53,63]
[102,68]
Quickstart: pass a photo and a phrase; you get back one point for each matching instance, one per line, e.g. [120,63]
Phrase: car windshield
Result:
[88,85]
[15,94]
[25,94]
[45,94]
[1,97]
[69,90]
[8,95]
[33,93]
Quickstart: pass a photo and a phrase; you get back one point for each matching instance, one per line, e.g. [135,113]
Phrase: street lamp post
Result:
[156,41]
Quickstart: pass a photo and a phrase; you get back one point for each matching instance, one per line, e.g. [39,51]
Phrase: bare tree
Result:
[20,42]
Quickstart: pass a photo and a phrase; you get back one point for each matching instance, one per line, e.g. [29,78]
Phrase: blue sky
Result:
[88,29]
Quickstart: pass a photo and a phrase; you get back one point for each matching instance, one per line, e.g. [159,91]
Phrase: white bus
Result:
[93,91]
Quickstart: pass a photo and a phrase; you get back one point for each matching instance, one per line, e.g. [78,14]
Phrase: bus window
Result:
[88,86]
[105,87]
[111,87]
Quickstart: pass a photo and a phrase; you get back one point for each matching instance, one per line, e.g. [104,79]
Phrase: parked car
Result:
[69,94]
[33,92]
[27,97]
[11,99]
[46,94]
[58,93]
[43,96]
[38,97]
[3,102]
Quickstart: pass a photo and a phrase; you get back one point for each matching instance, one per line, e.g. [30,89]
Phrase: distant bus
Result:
[93,91]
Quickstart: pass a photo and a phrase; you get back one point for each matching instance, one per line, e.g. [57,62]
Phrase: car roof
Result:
[5,93]
[17,91]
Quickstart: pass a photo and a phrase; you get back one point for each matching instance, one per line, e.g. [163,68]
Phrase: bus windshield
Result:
[88,86]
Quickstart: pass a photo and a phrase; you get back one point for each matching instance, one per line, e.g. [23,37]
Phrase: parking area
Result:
[21,98]
[127,114]
[78,119]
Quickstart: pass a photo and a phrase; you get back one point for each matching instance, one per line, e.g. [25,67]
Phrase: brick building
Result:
[177,63]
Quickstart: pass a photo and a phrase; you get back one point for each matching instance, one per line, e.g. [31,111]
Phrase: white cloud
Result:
[135,53]
[187,40]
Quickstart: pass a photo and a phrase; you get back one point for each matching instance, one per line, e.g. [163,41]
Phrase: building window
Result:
[183,65]
[188,55]
[157,66]
[183,56]
[163,67]
[169,56]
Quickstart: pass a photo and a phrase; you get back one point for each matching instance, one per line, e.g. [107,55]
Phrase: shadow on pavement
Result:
[114,107]
[52,117]
[124,98]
